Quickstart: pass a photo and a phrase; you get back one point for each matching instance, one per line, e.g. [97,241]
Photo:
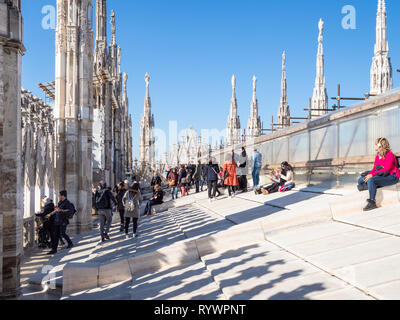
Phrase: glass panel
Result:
[280,148]
[324,143]
[353,138]
[298,148]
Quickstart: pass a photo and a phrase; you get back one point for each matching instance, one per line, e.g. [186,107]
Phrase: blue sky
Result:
[191,49]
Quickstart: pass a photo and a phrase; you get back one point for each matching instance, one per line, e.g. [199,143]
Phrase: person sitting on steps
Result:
[155,200]
[384,174]
[279,179]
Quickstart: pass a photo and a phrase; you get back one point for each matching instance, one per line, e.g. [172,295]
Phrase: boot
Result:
[370,206]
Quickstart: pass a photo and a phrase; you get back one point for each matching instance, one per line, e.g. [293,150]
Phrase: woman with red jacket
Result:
[229,174]
[385,172]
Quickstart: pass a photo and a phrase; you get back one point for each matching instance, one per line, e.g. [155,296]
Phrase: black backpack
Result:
[103,201]
[72,211]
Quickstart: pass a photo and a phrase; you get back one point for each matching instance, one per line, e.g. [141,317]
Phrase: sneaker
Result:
[126,237]
[106,236]
[102,240]
[135,235]
[370,206]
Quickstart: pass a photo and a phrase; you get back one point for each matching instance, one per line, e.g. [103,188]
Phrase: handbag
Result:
[382,174]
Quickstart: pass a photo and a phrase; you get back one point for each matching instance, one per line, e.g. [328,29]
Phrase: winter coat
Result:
[120,195]
[136,197]
[61,217]
[232,179]
[173,177]
[212,172]
[182,174]
[243,160]
[198,173]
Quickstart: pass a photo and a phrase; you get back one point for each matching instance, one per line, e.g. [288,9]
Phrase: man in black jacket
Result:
[104,197]
[61,221]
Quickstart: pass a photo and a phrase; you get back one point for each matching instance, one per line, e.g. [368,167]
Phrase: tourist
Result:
[242,170]
[282,180]
[384,174]
[61,221]
[104,199]
[131,201]
[229,173]
[287,175]
[198,176]
[203,176]
[189,177]
[173,183]
[183,187]
[212,179]
[46,231]
[257,164]
[157,198]
[182,173]
[156,180]
[121,208]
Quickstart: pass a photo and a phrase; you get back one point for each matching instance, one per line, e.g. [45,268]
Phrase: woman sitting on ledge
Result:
[384,174]
[282,181]
[157,198]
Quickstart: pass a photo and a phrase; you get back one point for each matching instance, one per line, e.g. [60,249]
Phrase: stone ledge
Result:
[353,204]
[80,276]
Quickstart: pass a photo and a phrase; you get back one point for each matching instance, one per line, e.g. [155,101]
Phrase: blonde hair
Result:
[384,146]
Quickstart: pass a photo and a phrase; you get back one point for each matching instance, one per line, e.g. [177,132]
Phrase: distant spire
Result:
[381,69]
[320,95]
[101,20]
[283,111]
[254,122]
[113,28]
[233,126]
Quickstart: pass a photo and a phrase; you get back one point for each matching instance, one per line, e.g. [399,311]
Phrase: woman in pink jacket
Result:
[385,172]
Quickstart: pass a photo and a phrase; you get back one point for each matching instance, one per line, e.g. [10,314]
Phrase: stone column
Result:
[11,51]
[74,105]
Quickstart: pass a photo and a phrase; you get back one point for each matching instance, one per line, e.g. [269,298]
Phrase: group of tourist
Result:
[232,175]
[126,199]
[56,219]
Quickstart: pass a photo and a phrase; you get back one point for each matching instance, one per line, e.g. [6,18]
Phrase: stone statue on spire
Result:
[254,83]
[321,29]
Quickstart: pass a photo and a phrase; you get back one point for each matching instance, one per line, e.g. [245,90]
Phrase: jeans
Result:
[135,224]
[256,175]
[122,216]
[59,231]
[149,205]
[105,216]
[197,186]
[212,189]
[174,192]
[378,182]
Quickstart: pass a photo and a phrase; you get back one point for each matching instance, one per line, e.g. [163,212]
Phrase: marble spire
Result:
[381,69]
[147,152]
[233,125]
[320,95]
[254,122]
[283,111]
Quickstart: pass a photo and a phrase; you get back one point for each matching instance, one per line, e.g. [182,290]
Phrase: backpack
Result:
[102,201]
[72,211]
[398,161]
